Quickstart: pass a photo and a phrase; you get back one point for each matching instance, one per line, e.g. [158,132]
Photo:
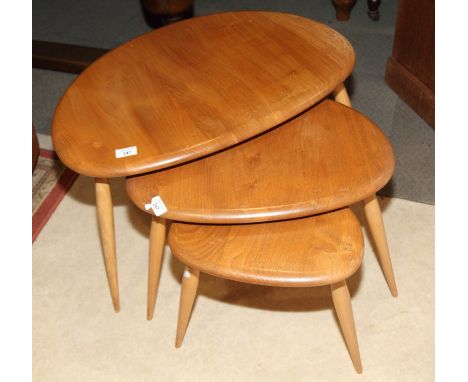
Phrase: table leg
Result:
[187,297]
[106,230]
[344,311]
[343,8]
[341,95]
[373,9]
[373,216]
[157,240]
[376,226]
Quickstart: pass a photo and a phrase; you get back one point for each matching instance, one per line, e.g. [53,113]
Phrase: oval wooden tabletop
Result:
[327,158]
[312,251]
[195,87]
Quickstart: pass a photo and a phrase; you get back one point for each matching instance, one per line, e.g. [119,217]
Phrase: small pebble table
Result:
[318,250]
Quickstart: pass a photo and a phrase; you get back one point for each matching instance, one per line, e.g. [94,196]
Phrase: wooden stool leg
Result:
[187,297]
[341,95]
[106,230]
[373,9]
[344,311]
[156,250]
[373,215]
[343,8]
[376,226]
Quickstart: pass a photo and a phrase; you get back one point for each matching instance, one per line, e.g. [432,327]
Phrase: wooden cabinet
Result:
[410,69]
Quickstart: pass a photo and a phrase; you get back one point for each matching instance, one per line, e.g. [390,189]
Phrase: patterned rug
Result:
[50,181]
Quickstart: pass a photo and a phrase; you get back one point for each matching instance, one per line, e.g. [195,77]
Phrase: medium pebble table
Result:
[327,158]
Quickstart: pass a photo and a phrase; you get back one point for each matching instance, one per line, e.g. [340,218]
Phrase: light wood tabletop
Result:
[195,87]
[311,251]
[327,158]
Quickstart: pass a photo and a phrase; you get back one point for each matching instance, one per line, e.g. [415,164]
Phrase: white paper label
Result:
[186,273]
[126,152]
[157,205]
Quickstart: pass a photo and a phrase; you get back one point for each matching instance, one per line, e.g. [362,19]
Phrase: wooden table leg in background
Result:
[106,229]
[373,9]
[343,8]
[157,240]
[374,216]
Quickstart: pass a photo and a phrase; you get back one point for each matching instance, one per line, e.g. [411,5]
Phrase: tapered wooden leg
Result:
[344,311]
[157,240]
[373,216]
[106,229]
[187,297]
[376,226]
[341,95]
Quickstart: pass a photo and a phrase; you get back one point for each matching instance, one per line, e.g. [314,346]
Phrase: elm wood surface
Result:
[195,87]
[311,251]
[411,68]
[318,250]
[329,157]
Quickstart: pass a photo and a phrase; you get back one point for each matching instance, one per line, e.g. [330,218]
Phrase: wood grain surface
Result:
[327,158]
[312,251]
[196,87]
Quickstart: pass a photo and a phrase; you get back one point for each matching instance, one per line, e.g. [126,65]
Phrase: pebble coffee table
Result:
[194,88]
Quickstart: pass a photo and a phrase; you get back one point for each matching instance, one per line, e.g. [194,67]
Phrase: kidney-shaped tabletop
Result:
[327,158]
[195,87]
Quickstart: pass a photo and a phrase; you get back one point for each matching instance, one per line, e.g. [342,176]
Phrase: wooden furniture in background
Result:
[76,58]
[410,69]
[327,158]
[373,9]
[158,13]
[63,57]
[175,100]
[344,7]
[320,250]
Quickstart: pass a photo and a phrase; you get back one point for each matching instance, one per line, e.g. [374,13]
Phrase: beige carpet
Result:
[238,332]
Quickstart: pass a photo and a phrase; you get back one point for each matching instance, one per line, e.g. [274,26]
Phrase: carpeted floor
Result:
[238,332]
[108,23]
[50,181]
